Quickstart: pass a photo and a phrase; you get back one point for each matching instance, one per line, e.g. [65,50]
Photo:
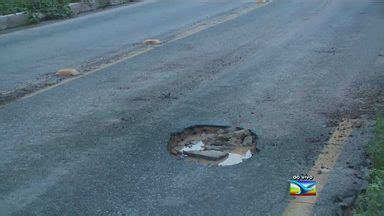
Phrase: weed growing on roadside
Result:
[371,202]
[52,9]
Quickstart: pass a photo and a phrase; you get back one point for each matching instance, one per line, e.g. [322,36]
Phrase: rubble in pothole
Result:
[214,145]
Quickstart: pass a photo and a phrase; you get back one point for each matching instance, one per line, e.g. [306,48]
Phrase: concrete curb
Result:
[13,20]
[21,18]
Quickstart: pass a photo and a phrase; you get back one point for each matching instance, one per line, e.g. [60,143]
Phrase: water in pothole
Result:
[214,145]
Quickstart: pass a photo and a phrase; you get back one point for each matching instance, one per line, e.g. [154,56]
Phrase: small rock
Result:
[152,42]
[67,72]
[217,148]
[208,141]
[217,143]
[174,152]
[223,137]
[247,141]
[211,155]
[325,170]
[234,141]
[230,130]
[220,131]
[241,133]
[178,149]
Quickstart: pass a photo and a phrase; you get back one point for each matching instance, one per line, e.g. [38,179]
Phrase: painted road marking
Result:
[325,163]
[201,26]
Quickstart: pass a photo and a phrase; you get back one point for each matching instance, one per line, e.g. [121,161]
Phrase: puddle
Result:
[197,146]
[234,158]
[213,145]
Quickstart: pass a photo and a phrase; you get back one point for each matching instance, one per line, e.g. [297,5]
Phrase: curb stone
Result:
[3,22]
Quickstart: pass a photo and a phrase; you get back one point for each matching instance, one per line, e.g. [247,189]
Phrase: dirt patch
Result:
[363,98]
[213,145]
[43,81]
[54,78]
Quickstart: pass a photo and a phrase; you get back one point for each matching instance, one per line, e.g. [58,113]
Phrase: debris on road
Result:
[67,72]
[212,155]
[214,145]
[152,42]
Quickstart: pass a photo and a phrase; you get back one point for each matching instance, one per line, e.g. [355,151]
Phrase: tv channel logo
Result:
[302,188]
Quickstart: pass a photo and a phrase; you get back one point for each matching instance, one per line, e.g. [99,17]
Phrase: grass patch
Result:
[53,9]
[11,7]
[371,202]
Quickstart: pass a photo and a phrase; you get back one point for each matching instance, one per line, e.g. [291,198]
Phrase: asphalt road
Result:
[288,71]
[30,54]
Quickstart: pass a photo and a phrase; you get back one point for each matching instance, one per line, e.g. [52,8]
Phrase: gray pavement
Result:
[30,54]
[97,145]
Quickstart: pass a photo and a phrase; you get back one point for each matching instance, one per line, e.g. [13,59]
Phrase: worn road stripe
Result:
[325,162]
[201,26]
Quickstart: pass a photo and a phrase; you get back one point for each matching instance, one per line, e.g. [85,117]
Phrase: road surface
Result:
[291,71]
[32,53]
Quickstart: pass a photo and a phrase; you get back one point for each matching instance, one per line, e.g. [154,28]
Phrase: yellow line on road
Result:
[201,26]
[322,169]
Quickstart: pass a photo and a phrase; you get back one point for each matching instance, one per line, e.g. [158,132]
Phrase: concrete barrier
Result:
[261,1]
[76,8]
[17,19]
[3,22]
[13,20]
[116,2]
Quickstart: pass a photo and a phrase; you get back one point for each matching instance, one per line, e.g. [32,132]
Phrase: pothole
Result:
[213,145]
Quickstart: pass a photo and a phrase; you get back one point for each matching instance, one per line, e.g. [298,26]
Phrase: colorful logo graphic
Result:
[302,188]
